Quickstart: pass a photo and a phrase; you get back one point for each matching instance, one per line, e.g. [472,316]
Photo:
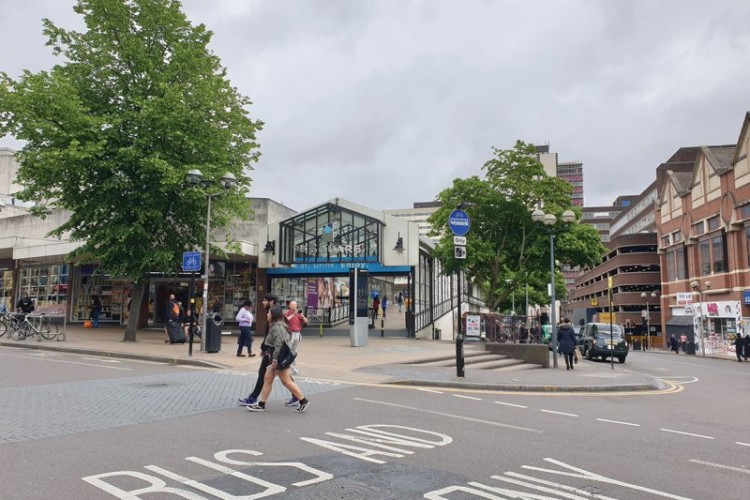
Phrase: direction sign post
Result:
[459,224]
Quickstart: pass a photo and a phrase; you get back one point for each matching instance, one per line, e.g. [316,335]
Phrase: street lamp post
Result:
[695,285]
[195,177]
[647,318]
[549,221]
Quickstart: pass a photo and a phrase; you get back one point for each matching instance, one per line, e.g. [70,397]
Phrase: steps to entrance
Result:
[478,360]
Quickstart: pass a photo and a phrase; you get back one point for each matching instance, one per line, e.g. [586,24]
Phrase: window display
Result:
[47,286]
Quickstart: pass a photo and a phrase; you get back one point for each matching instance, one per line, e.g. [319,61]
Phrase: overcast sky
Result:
[385,102]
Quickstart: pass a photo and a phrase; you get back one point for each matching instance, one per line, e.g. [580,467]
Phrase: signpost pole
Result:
[459,224]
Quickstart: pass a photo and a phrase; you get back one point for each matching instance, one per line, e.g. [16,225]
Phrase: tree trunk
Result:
[139,290]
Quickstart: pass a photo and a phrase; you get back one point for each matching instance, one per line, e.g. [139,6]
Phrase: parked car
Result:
[598,342]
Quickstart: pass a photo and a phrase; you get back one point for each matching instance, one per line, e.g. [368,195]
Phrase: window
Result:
[676,267]
[745,211]
[699,228]
[677,236]
[747,244]
[717,254]
[671,266]
[712,253]
[713,223]
[665,241]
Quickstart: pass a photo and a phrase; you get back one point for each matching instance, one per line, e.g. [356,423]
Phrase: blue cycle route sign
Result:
[191,262]
[459,223]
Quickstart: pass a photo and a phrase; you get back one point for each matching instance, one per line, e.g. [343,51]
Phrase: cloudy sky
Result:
[385,102]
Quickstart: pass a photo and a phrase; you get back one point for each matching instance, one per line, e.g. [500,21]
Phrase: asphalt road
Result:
[87,428]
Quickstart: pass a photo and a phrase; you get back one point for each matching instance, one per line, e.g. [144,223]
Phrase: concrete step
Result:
[479,360]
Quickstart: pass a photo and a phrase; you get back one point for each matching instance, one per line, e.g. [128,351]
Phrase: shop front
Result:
[46,284]
[716,325]
[6,285]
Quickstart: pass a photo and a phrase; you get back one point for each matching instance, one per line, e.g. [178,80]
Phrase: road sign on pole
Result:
[458,222]
[191,262]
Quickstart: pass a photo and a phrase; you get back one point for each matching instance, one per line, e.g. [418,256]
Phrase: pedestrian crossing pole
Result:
[611,332]
[382,327]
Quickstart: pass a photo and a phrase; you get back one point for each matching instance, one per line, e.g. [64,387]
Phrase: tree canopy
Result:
[111,132]
[506,249]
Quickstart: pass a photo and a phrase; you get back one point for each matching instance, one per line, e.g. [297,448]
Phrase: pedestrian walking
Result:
[245,319]
[746,351]
[400,301]
[566,342]
[269,300]
[683,342]
[384,304]
[277,335]
[674,346]
[739,346]
[375,306]
[295,320]
[96,310]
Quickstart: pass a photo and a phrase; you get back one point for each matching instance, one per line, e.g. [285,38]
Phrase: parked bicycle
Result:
[21,326]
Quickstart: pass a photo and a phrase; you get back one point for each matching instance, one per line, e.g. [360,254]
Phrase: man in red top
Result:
[295,320]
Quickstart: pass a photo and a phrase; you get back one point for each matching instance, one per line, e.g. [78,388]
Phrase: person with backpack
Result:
[173,322]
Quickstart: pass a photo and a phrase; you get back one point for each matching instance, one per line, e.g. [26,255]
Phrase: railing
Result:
[326,316]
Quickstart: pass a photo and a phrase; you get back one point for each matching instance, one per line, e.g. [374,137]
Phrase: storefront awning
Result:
[680,321]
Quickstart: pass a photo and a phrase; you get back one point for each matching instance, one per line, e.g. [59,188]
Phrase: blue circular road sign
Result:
[459,223]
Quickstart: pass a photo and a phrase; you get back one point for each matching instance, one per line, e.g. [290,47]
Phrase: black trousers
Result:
[265,360]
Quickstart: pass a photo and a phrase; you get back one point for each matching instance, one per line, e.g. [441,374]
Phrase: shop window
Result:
[111,292]
[47,286]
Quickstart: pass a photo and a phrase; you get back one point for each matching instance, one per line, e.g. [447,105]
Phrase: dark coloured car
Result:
[598,342]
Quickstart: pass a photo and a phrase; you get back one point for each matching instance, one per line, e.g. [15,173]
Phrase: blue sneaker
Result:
[292,402]
[248,401]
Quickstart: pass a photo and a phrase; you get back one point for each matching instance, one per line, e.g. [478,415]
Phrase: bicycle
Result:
[24,326]
[4,324]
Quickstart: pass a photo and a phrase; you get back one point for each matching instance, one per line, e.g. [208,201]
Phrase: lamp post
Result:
[548,221]
[195,177]
[647,317]
[696,286]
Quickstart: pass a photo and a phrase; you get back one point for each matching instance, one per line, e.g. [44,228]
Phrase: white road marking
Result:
[560,413]
[617,422]
[429,390]
[742,444]
[686,433]
[467,397]
[721,466]
[51,360]
[104,360]
[450,415]
[510,404]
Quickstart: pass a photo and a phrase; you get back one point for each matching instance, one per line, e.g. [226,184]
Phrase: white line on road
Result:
[103,360]
[560,413]
[617,422]
[429,390]
[51,360]
[742,444]
[450,415]
[467,397]
[721,466]
[510,404]
[686,433]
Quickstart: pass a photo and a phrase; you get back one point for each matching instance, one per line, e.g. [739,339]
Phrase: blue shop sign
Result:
[746,297]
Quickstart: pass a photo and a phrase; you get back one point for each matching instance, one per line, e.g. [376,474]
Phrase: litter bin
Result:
[213,335]
[691,347]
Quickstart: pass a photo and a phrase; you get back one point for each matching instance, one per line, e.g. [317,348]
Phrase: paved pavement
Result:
[392,359]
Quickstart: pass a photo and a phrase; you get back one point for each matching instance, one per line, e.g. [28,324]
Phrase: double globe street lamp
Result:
[547,222]
[195,177]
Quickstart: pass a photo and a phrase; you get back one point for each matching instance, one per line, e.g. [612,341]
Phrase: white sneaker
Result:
[296,372]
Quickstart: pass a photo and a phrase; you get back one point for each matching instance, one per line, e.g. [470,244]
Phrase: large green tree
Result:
[506,249]
[110,133]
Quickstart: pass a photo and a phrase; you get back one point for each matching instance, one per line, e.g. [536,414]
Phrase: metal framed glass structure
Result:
[330,233]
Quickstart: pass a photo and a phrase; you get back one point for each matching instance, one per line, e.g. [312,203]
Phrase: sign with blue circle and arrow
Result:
[458,222]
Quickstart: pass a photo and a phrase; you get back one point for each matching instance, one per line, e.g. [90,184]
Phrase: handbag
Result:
[286,357]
